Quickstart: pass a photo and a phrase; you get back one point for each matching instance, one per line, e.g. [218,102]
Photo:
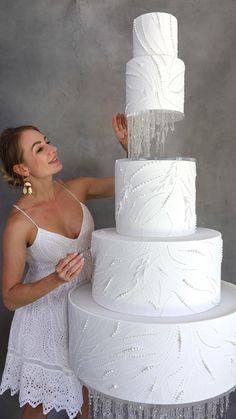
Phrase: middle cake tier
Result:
[155,197]
[157,276]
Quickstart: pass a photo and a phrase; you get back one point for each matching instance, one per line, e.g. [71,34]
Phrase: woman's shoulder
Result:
[78,186]
[16,223]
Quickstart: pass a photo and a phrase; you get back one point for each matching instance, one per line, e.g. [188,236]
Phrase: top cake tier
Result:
[155,75]
[155,33]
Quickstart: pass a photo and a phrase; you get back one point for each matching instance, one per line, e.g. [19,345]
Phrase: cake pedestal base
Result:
[102,406]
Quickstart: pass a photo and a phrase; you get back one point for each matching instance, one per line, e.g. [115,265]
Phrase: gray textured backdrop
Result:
[62,67]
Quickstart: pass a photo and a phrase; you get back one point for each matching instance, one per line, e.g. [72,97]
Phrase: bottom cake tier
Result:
[163,361]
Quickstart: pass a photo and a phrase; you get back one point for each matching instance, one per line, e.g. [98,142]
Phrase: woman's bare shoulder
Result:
[17,225]
[78,186]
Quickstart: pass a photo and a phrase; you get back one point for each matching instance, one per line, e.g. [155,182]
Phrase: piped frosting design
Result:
[155,197]
[157,277]
[155,82]
[155,76]
[150,360]
[157,322]
[155,33]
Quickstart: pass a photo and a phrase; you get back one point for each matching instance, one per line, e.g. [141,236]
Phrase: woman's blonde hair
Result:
[11,154]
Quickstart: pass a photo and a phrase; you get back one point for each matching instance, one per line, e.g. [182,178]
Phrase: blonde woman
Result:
[50,228]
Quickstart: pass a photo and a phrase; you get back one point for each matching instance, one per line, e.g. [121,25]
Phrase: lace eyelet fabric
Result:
[37,363]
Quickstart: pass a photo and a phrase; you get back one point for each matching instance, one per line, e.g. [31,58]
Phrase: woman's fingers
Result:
[63,262]
[73,272]
[70,266]
[119,122]
[74,265]
[123,125]
[115,124]
[124,122]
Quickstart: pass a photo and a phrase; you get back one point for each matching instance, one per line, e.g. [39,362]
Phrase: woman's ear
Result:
[20,169]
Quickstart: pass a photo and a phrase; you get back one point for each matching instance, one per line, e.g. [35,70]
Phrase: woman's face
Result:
[39,155]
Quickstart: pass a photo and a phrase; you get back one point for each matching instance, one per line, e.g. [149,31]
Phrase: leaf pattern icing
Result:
[155,198]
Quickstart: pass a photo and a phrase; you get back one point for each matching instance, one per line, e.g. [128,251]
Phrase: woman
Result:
[50,228]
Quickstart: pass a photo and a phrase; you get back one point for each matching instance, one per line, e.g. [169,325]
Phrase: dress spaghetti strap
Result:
[71,193]
[23,212]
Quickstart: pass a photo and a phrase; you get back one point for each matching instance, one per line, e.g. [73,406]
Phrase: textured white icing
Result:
[155,197]
[185,334]
[155,76]
[155,82]
[157,277]
[153,360]
[155,33]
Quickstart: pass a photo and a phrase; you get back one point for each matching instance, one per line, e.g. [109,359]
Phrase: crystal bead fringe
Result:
[148,130]
[105,407]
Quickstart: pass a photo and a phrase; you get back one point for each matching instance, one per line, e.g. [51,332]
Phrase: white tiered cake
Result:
[158,327]
[154,81]
[155,76]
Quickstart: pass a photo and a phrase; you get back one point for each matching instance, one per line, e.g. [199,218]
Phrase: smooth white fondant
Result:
[156,277]
[154,360]
[154,82]
[155,197]
[155,33]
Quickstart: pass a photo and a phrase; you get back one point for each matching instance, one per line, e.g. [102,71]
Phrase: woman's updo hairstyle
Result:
[11,154]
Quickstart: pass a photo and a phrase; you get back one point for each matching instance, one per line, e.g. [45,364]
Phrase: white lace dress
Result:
[37,363]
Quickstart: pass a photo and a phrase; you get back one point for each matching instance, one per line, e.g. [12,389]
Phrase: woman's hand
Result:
[120,126]
[69,267]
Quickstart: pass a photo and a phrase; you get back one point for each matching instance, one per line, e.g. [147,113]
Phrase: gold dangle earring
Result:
[27,187]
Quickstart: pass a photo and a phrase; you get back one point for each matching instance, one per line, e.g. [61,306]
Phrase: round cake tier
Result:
[157,277]
[155,82]
[155,33]
[153,360]
[155,197]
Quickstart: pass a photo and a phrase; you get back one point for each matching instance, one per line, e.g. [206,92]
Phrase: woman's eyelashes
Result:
[41,148]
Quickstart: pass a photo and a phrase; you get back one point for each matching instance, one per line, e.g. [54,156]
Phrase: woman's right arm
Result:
[17,294]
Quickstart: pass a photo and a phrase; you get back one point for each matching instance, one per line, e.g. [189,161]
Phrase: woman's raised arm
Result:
[86,188]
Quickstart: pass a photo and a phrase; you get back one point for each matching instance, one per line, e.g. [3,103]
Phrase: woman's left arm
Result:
[90,187]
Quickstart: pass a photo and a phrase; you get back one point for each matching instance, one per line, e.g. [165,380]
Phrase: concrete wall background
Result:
[62,67]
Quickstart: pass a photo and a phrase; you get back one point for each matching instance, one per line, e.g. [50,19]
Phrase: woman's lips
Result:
[54,161]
